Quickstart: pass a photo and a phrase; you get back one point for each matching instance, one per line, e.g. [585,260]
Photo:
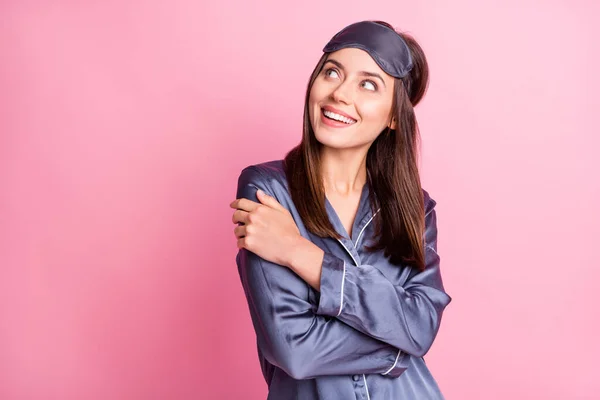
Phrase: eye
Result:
[370,85]
[331,73]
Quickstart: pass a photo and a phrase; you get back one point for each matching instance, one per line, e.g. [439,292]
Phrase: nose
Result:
[342,94]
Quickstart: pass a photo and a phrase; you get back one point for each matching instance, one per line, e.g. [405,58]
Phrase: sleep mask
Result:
[383,44]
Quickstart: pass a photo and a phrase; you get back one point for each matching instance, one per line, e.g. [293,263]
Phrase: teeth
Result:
[338,117]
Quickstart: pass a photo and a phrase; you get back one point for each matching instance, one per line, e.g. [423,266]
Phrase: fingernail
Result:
[260,192]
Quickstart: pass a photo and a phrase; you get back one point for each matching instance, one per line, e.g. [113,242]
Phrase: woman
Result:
[338,241]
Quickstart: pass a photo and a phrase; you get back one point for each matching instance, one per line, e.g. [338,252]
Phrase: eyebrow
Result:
[364,73]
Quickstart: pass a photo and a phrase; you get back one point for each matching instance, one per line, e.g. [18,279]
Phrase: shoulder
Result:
[429,202]
[268,176]
[263,172]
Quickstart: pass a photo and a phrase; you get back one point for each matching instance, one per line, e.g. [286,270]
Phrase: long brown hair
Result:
[392,171]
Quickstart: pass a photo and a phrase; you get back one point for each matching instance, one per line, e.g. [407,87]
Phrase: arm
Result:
[407,317]
[290,335]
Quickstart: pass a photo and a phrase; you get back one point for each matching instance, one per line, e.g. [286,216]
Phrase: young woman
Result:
[338,241]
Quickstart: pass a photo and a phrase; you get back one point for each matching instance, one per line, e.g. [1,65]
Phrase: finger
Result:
[240,216]
[244,204]
[239,231]
[268,200]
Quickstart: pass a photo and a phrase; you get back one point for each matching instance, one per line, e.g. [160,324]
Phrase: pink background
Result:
[124,126]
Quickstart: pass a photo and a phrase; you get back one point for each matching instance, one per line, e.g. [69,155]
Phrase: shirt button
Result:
[355,378]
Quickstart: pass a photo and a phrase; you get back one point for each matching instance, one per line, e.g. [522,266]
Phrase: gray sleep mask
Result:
[383,44]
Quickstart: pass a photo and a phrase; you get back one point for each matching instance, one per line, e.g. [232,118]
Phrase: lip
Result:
[335,110]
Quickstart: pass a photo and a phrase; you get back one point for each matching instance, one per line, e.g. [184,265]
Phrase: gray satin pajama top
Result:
[365,334]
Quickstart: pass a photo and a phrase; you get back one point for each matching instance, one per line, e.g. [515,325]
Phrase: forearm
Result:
[406,316]
[303,344]
[306,261]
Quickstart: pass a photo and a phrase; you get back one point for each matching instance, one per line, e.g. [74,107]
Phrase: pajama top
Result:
[364,335]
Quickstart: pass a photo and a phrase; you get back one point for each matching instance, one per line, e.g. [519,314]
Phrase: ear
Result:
[392,124]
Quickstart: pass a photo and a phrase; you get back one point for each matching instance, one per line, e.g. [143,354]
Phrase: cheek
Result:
[375,114]
[319,91]
[314,99]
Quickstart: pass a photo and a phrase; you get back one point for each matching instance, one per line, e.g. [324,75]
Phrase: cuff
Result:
[333,274]
[400,365]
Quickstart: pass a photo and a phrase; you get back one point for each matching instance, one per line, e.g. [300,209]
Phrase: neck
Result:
[344,171]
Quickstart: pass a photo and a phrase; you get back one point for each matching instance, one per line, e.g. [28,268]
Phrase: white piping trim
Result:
[344,246]
[395,362]
[366,387]
[342,291]
[431,247]
[363,229]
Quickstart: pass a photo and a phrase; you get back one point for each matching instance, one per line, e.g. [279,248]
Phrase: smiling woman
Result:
[338,242]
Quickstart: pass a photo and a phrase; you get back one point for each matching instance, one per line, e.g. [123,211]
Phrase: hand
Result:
[269,230]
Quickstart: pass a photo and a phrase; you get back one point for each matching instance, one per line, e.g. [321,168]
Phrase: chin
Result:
[332,140]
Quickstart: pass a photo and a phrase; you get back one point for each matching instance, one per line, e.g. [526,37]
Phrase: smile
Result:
[332,116]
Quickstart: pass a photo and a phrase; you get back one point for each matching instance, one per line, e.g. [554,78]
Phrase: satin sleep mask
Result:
[383,44]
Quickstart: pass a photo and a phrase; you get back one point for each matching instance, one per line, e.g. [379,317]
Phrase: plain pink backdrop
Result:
[124,126]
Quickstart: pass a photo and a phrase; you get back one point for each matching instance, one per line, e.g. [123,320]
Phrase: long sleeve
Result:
[289,333]
[407,317]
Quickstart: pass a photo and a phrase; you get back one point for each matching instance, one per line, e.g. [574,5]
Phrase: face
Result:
[350,102]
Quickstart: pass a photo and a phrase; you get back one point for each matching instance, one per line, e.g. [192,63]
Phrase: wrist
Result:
[301,251]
